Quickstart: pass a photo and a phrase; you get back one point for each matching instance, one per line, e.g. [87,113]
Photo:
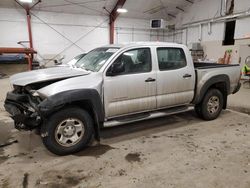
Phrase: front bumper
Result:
[17,105]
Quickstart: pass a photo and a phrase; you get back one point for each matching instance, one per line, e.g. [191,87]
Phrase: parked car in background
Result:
[113,85]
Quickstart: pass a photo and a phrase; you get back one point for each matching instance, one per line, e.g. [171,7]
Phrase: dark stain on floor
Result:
[25,180]
[155,136]
[69,181]
[59,179]
[5,131]
[5,183]
[2,157]
[72,180]
[95,151]
[133,157]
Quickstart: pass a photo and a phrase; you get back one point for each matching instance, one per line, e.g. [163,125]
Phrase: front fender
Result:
[59,100]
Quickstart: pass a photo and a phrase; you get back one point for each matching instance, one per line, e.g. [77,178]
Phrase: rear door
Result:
[175,78]
[134,90]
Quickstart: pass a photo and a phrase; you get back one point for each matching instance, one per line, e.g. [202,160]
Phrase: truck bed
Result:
[198,65]
[205,71]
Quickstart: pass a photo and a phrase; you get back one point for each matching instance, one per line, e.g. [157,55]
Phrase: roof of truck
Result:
[131,44]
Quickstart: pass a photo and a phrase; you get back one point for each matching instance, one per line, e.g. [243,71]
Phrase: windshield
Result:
[95,59]
[75,59]
[72,61]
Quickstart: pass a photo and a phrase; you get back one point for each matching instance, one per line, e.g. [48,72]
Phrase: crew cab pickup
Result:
[113,85]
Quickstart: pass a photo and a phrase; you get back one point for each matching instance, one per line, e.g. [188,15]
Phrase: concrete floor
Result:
[241,100]
[13,68]
[175,151]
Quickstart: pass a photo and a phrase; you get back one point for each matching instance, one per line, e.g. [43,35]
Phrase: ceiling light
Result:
[26,1]
[122,10]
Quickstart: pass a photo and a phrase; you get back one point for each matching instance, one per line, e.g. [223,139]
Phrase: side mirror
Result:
[116,68]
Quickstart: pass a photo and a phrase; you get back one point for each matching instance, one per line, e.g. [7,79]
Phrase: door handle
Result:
[150,80]
[187,76]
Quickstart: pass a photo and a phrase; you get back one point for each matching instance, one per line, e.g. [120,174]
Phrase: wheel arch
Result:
[220,82]
[87,99]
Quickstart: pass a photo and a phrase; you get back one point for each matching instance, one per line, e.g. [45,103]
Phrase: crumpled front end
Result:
[28,104]
[23,108]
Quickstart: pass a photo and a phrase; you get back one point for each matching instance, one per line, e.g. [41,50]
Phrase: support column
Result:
[29,27]
[28,16]
[112,17]
[30,56]
[111,30]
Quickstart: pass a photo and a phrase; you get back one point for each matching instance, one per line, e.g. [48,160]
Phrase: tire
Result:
[211,105]
[68,131]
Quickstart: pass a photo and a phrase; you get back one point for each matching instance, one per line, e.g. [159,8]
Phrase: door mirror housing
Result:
[116,69]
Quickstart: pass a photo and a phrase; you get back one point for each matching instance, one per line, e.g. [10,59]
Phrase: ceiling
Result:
[142,9]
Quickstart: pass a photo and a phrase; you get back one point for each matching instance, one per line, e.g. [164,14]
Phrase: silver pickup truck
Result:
[113,85]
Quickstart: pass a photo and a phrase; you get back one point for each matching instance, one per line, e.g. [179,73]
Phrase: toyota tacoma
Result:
[114,85]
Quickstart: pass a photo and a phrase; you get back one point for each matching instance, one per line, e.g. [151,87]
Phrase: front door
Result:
[133,90]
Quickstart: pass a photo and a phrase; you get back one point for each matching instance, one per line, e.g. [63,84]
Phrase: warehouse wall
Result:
[212,42]
[88,31]
[55,33]
[130,30]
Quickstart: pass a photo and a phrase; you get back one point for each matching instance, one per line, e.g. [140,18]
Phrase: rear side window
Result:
[171,58]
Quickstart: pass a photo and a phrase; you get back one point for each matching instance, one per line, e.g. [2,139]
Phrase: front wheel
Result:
[211,105]
[68,131]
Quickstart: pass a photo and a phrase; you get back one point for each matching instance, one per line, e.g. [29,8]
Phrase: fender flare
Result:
[213,80]
[59,100]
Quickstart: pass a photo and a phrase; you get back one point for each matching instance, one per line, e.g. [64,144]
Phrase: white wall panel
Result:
[217,32]
[142,36]
[242,28]
[241,5]
[208,9]
[11,33]
[93,31]
[46,40]
[73,26]
[199,11]
[124,37]
[132,23]
[193,35]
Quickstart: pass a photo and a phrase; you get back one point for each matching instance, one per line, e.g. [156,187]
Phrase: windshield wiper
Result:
[87,69]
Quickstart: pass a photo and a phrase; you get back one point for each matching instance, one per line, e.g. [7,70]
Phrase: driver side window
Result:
[134,61]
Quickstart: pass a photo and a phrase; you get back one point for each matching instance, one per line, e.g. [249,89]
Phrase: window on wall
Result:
[171,58]
[229,33]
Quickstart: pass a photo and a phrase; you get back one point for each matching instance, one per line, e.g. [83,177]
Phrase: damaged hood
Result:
[41,75]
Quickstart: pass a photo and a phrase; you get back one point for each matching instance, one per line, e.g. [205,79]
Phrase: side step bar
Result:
[146,116]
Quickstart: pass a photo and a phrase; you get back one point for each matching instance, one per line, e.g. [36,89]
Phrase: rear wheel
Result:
[68,131]
[211,105]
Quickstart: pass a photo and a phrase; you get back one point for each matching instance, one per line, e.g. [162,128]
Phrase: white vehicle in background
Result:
[113,85]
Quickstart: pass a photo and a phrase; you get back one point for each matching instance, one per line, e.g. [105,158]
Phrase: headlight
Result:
[35,94]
